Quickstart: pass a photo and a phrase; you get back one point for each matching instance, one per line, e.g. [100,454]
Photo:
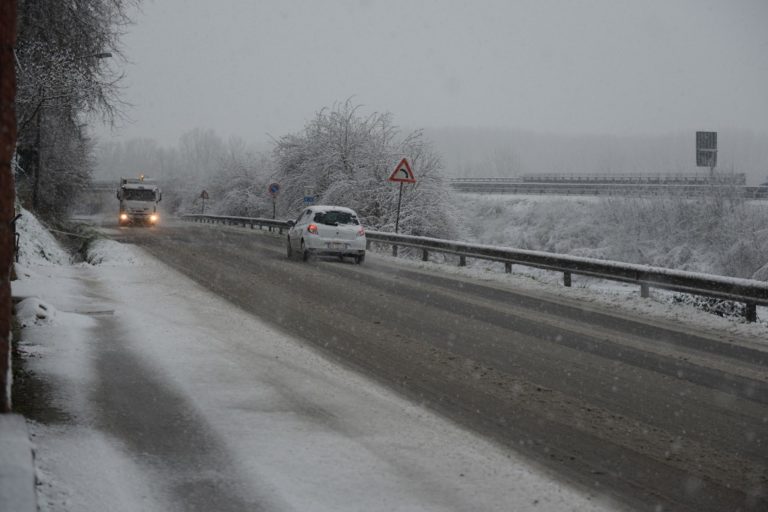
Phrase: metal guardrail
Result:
[750,292]
[615,178]
[599,189]
[253,222]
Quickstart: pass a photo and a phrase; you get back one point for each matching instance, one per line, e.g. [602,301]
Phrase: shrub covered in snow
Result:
[346,157]
[720,233]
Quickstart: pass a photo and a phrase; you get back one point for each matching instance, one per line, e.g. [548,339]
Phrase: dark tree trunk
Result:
[7,188]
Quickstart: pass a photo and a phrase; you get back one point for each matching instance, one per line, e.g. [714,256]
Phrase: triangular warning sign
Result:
[403,173]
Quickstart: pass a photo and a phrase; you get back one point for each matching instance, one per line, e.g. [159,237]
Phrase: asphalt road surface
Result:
[657,416]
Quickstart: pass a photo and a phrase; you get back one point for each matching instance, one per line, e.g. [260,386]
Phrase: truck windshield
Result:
[135,194]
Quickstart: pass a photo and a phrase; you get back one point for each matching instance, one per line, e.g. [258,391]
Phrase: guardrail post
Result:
[367,245]
[394,250]
[750,312]
[462,261]
[645,290]
[567,279]
[508,268]
[280,231]
[251,225]
[425,255]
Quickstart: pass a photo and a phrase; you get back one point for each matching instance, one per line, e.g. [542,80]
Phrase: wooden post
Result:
[750,312]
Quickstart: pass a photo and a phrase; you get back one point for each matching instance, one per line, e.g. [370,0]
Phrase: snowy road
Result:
[150,393]
[646,412]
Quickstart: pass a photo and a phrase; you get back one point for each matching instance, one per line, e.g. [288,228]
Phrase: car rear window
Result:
[334,218]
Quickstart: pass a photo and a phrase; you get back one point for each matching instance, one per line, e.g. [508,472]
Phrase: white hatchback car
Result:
[331,230]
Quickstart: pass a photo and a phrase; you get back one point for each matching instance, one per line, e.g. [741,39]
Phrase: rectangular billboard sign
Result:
[706,149]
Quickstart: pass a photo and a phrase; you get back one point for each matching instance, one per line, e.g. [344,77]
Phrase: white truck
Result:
[138,201]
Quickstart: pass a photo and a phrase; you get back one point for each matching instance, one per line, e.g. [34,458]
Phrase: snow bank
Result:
[36,245]
[33,311]
[111,253]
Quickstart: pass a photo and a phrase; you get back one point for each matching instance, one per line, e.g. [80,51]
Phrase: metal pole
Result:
[397,218]
[399,198]
[274,207]
[203,212]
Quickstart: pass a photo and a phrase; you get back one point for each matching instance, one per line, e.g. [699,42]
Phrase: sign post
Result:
[402,174]
[274,189]
[204,196]
[706,151]
[309,195]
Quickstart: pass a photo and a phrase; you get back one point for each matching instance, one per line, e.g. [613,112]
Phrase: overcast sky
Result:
[251,68]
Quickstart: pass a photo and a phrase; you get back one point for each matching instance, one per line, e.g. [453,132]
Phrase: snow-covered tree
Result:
[64,77]
[345,157]
[241,181]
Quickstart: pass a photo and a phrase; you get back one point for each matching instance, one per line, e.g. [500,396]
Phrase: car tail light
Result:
[361,231]
[312,228]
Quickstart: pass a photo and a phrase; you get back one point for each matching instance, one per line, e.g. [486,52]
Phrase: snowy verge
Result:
[17,475]
[104,251]
[599,295]
[36,244]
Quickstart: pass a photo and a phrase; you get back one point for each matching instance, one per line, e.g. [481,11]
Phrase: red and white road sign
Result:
[403,173]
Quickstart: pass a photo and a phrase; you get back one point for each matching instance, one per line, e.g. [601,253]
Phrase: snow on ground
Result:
[575,225]
[315,435]
[36,244]
[601,295]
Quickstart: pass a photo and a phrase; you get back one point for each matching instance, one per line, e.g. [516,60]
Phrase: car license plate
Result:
[336,245]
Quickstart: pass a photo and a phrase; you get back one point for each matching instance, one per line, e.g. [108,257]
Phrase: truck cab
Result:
[138,201]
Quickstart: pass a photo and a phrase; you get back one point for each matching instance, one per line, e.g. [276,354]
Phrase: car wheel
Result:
[289,251]
[359,258]
[304,252]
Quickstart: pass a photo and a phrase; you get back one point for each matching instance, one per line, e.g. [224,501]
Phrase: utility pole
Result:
[7,188]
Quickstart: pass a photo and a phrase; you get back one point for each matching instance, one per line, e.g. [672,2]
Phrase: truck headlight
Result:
[153,218]
[123,216]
